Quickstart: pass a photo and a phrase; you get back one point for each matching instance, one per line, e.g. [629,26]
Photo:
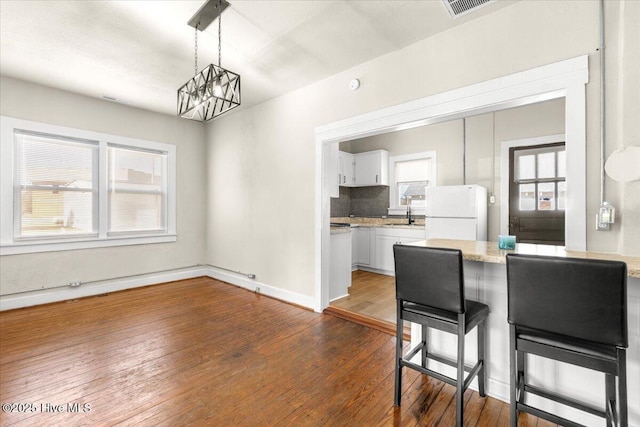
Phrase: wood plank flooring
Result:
[202,352]
[372,295]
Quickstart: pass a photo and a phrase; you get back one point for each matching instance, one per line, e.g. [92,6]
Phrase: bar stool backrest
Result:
[581,298]
[430,276]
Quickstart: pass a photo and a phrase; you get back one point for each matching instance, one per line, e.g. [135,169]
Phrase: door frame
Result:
[504,176]
[566,79]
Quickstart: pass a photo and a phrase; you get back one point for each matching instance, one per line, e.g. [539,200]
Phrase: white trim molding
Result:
[242,281]
[46,296]
[561,79]
[504,177]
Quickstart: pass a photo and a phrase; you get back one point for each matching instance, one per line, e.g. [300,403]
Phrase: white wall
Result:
[20,273]
[269,149]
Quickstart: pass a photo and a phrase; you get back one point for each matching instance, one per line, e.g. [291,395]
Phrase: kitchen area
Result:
[460,209]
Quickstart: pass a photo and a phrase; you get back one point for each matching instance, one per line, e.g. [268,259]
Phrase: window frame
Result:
[554,148]
[10,245]
[394,207]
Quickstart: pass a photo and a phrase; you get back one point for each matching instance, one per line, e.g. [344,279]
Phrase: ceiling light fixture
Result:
[214,90]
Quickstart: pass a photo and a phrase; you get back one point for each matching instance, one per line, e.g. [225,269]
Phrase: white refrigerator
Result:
[456,212]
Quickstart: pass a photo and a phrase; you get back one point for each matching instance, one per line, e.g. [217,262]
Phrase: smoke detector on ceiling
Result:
[458,8]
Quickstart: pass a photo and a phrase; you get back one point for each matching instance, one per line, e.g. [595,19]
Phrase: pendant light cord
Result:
[195,53]
[219,34]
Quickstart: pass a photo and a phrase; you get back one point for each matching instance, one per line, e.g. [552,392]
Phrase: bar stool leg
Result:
[399,342]
[481,351]
[460,379]
[623,418]
[610,399]
[513,412]
[424,346]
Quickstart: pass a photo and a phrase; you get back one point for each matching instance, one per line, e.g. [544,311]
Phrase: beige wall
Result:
[19,273]
[269,150]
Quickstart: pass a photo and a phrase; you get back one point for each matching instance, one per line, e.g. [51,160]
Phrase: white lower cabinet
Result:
[372,247]
[385,239]
[361,245]
[339,265]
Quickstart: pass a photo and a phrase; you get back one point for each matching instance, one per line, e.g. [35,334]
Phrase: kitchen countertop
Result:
[380,222]
[489,252]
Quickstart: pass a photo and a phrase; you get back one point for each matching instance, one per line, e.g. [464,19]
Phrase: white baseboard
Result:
[45,296]
[242,281]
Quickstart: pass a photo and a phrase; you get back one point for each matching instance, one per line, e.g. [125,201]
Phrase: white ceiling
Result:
[140,52]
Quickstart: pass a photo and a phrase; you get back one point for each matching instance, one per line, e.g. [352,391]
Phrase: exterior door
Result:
[537,193]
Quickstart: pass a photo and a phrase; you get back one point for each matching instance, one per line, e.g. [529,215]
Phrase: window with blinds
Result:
[56,186]
[64,188]
[136,190]
[412,178]
[411,175]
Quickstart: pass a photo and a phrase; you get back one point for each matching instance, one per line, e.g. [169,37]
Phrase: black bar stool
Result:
[430,292]
[574,311]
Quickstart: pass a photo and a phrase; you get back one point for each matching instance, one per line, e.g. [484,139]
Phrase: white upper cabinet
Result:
[346,169]
[372,168]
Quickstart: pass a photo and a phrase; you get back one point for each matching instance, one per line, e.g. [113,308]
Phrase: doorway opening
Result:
[537,193]
[564,79]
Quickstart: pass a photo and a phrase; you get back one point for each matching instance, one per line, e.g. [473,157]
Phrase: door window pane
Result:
[546,196]
[562,189]
[527,197]
[562,164]
[547,165]
[527,167]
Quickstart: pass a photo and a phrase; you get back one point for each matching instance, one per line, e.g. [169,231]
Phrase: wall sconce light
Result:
[605,217]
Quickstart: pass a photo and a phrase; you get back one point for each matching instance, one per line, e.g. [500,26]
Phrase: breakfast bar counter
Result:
[486,281]
[489,252]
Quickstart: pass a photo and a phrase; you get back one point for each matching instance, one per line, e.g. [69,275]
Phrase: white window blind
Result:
[411,175]
[412,178]
[137,190]
[56,186]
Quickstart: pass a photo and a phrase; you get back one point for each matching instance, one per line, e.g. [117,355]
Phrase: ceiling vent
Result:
[458,8]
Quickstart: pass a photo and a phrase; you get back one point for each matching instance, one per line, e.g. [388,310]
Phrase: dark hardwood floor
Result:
[202,352]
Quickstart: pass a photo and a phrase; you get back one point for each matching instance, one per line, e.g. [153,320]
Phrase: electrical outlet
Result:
[251,276]
[74,284]
[492,199]
[257,289]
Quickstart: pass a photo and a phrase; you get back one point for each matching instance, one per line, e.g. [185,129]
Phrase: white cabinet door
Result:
[384,252]
[339,265]
[372,168]
[385,239]
[347,169]
[362,243]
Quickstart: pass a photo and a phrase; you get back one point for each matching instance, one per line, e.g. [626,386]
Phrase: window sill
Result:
[69,245]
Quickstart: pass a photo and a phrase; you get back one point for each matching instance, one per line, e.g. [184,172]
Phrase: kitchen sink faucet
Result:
[411,220]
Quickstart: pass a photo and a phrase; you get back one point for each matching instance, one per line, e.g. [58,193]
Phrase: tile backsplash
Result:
[361,201]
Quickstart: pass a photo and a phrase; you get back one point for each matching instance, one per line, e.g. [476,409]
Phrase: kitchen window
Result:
[410,174]
[64,188]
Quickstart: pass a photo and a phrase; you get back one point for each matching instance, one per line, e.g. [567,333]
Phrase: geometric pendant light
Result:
[214,90]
